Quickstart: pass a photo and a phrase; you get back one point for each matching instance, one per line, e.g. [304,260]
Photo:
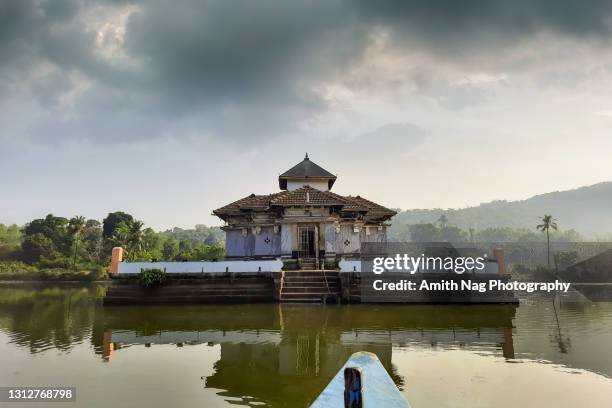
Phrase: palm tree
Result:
[443,220]
[136,237]
[548,222]
[130,236]
[76,225]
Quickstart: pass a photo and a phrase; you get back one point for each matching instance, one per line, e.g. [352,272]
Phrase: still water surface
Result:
[536,354]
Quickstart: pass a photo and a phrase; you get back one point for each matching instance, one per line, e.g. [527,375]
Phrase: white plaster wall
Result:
[253,244]
[349,265]
[492,335]
[318,184]
[198,337]
[263,248]
[347,233]
[374,236]
[329,232]
[286,239]
[273,265]
[234,243]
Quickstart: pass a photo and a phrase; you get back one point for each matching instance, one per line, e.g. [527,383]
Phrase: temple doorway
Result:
[307,241]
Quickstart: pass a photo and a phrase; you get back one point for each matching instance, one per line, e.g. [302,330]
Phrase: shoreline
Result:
[53,281]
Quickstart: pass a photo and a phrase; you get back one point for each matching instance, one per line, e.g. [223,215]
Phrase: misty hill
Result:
[588,210]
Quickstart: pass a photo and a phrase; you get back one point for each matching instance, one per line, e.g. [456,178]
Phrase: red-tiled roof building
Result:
[305,223]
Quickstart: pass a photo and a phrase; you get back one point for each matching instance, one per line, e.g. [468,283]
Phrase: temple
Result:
[305,224]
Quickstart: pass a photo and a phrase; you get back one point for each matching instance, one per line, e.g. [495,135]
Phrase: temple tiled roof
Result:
[250,202]
[306,169]
[371,207]
[306,196]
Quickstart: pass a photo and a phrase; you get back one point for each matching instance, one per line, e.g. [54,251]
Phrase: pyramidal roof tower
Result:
[305,173]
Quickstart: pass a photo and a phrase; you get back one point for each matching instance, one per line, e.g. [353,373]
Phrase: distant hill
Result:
[588,210]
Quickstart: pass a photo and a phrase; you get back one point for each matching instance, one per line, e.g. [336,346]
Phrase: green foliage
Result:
[130,236]
[53,245]
[55,229]
[565,259]
[429,232]
[212,236]
[10,252]
[76,225]
[16,267]
[91,249]
[139,244]
[16,270]
[548,223]
[170,249]
[37,246]
[435,233]
[152,277]
[585,209]
[147,245]
[112,221]
[10,235]
[198,252]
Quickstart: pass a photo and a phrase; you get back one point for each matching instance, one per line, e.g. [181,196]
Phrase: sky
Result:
[170,109]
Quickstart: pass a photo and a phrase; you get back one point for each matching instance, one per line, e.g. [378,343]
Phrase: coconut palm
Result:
[443,220]
[548,222]
[130,236]
[76,226]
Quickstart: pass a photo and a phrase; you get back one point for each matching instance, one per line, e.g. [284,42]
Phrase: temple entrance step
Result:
[317,273]
[307,263]
[318,285]
[310,286]
[311,298]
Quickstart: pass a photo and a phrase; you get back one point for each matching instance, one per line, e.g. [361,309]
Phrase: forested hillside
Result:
[588,210]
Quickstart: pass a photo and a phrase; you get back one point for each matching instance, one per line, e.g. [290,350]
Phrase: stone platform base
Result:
[196,288]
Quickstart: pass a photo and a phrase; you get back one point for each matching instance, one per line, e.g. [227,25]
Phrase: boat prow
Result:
[376,388]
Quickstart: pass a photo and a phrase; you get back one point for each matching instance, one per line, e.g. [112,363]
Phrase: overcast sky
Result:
[168,110]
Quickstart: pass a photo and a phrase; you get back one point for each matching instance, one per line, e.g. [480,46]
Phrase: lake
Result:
[546,351]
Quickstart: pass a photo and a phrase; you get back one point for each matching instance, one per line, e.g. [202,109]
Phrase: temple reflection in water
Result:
[283,356]
[286,343]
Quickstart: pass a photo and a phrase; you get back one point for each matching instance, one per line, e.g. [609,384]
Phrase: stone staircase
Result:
[310,286]
[308,263]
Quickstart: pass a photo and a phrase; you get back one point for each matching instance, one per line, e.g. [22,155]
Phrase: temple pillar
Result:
[116,258]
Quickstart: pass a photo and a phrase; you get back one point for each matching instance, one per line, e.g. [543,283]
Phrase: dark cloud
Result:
[458,17]
[243,69]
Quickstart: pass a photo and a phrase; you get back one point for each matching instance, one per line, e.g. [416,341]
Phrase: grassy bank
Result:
[19,271]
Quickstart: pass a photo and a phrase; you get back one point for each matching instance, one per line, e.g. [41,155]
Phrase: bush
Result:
[152,277]
[56,262]
[24,272]
[16,268]
[9,252]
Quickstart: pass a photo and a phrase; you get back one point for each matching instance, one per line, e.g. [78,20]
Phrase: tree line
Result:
[443,231]
[78,243]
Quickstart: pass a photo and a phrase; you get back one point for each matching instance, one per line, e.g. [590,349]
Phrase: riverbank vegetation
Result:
[59,248]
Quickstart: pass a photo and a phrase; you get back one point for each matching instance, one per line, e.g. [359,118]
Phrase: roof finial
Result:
[306,157]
